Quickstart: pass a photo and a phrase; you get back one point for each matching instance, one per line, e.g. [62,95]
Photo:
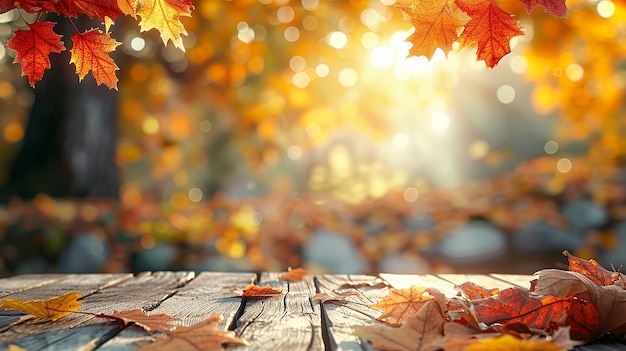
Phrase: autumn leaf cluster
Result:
[441,23]
[560,309]
[90,48]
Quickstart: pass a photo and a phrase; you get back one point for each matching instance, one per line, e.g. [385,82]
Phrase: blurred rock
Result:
[160,257]
[545,237]
[476,242]
[85,253]
[617,255]
[583,214]
[334,252]
[403,264]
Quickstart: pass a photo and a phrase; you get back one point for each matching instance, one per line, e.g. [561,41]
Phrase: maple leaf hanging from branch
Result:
[440,23]
[91,48]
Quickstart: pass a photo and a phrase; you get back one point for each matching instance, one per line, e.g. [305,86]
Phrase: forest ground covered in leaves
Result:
[518,222]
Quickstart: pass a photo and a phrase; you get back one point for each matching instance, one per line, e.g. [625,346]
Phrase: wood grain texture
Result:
[115,293]
[205,295]
[339,319]
[19,283]
[290,321]
[403,281]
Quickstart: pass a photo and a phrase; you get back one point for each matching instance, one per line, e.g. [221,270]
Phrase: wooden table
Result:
[292,322]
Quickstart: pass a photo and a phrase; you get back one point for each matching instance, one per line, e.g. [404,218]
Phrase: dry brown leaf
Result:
[294,275]
[335,296]
[150,323]
[609,301]
[401,303]
[376,283]
[256,292]
[421,331]
[52,308]
[202,336]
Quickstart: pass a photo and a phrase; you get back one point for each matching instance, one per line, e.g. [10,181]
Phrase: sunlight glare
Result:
[338,40]
[606,8]
[574,72]
[310,5]
[348,77]
[382,56]
[137,43]
[505,94]
[400,140]
[322,70]
[551,147]
[300,80]
[369,40]
[440,121]
[564,165]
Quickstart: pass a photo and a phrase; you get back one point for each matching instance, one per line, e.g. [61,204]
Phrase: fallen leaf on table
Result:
[376,283]
[150,323]
[256,292]
[510,343]
[401,303]
[335,296]
[294,275]
[421,331]
[52,308]
[474,291]
[202,336]
[592,270]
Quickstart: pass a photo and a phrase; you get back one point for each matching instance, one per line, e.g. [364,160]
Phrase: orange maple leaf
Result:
[164,16]
[128,7]
[257,292]
[436,23]
[491,28]
[294,275]
[91,53]
[52,308]
[33,48]
[401,303]
[201,336]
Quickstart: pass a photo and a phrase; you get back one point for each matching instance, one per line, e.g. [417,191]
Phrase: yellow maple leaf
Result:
[510,343]
[164,16]
[52,308]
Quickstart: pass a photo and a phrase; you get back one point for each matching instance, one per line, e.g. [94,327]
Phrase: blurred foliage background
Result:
[297,133]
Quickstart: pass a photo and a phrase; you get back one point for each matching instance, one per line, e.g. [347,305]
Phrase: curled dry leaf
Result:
[294,275]
[335,296]
[150,323]
[256,292]
[52,308]
[202,336]
[420,331]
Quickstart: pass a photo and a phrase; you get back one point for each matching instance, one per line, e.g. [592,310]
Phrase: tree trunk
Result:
[70,141]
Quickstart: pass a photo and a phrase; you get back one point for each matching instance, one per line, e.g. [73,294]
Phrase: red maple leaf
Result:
[6,5]
[33,48]
[557,7]
[91,53]
[592,270]
[491,28]
[92,8]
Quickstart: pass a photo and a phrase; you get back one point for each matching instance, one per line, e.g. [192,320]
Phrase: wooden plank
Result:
[144,291]
[23,282]
[483,280]
[206,295]
[403,281]
[339,319]
[515,279]
[286,322]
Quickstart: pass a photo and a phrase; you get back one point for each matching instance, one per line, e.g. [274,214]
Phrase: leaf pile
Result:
[91,48]
[560,310]
[440,23]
